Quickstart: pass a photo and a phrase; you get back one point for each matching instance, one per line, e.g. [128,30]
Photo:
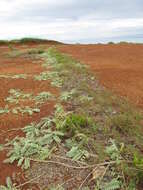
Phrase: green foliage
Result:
[74,122]
[37,142]
[138,161]
[17,95]
[65,96]
[11,47]
[56,188]
[53,76]
[1,147]
[111,43]
[31,130]
[123,122]
[59,116]
[77,154]
[35,51]
[9,185]
[112,185]
[4,42]
[114,152]
[43,97]
[132,185]
[70,123]
[85,98]
[4,110]
[36,40]
[25,110]
[18,76]
[42,76]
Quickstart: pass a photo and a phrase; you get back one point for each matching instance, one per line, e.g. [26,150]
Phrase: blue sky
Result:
[83,21]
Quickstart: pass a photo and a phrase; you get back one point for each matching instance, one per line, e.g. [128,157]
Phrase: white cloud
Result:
[16,22]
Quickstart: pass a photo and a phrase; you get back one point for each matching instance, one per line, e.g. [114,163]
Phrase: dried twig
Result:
[30,181]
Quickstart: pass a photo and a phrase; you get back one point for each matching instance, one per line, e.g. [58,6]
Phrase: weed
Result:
[35,143]
[114,184]
[65,96]
[73,123]
[35,51]
[9,185]
[42,76]
[114,152]
[25,109]
[4,110]
[43,97]
[53,76]
[123,122]
[77,154]
[18,76]
[17,95]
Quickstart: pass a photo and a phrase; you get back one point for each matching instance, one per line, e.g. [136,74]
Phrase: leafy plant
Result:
[114,184]
[4,110]
[74,123]
[16,95]
[25,109]
[114,152]
[77,154]
[42,76]
[18,76]
[43,97]
[36,143]
[53,76]
[35,51]
[65,96]
[9,185]
[138,161]
[123,122]
[56,188]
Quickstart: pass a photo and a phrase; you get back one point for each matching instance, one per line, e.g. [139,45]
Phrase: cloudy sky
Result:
[84,21]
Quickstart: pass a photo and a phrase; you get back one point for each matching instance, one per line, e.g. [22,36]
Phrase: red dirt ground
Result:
[11,121]
[119,67]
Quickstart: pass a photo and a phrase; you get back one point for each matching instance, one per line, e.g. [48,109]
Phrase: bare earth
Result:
[118,67]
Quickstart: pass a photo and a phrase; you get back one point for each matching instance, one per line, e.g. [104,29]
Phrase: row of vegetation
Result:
[93,136]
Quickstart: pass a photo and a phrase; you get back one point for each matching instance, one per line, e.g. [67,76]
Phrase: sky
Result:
[73,21]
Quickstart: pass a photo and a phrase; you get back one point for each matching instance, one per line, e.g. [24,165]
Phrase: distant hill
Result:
[29,41]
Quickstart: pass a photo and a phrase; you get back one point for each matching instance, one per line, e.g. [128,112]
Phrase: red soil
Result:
[11,121]
[118,67]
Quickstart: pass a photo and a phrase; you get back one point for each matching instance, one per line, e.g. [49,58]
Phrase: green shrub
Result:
[74,123]
[110,43]
[35,51]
